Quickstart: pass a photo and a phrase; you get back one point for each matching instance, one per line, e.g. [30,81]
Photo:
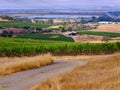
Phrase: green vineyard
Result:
[109,34]
[55,37]
[23,24]
[19,47]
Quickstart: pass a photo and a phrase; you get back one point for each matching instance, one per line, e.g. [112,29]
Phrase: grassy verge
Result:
[109,34]
[22,64]
[101,74]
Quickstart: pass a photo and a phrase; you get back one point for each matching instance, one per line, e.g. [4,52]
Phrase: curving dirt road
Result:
[26,79]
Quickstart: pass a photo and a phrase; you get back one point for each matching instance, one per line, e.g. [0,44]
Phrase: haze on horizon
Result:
[59,4]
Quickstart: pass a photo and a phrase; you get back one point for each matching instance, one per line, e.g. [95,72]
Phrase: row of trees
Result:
[6,17]
[101,18]
[1,27]
[72,27]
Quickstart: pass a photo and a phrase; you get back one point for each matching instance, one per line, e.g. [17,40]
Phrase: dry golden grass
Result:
[54,27]
[100,74]
[109,28]
[88,38]
[82,57]
[12,65]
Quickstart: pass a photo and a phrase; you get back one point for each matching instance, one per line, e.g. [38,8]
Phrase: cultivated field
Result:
[20,47]
[104,30]
[23,24]
[108,34]
[12,65]
[101,73]
[54,37]
[108,28]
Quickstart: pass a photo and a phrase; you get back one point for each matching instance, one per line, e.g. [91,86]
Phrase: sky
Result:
[58,4]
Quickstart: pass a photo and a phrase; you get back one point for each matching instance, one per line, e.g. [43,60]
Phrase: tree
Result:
[94,18]
[105,18]
[1,27]
[106,39]
[62,29]
[38,28]
[6,33]
[26,27]
[50,21]
[6,17]
[83,21]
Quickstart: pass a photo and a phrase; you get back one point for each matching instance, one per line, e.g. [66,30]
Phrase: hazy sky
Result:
[20,4]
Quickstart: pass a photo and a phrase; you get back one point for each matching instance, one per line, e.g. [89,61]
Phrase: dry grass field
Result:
[101,73]
[80,57]
[54,27]
[92,39]
[108,28]
[12,65]
[88,38]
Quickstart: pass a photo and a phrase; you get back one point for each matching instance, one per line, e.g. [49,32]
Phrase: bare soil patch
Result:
[108,28]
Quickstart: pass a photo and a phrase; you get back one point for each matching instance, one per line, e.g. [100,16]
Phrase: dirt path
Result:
[26,79]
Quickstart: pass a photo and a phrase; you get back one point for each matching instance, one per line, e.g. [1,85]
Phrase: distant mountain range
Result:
[57,11]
